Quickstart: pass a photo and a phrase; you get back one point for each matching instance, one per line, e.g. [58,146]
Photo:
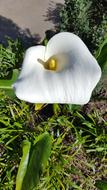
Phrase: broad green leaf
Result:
[101,185]
[101,54]
[38,158]
[23,165]
[6,85]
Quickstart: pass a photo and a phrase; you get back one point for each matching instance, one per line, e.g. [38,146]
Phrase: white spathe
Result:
[73,84]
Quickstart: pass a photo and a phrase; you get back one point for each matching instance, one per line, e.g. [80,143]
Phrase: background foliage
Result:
[79,143]
[86,18]
[10,57]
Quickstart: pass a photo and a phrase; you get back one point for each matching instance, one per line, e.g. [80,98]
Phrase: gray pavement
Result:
[28,18]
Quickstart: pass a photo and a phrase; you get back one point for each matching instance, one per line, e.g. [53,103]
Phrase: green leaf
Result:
[101,54]
[6,85]
[101,185]
[23,165]
[39,155]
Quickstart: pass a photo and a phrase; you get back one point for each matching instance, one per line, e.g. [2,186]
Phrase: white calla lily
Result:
[62,72]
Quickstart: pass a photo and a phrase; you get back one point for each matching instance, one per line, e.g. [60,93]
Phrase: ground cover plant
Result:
[78,158]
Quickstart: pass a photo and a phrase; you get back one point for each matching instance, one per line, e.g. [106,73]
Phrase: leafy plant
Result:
[88,19]
[10,58]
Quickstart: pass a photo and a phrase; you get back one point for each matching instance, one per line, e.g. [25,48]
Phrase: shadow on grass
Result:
[10,29]
[53,13]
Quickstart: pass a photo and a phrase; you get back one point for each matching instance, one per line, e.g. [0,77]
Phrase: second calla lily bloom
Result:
[62,72]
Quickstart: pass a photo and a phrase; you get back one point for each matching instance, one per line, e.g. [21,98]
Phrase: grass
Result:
[79,143]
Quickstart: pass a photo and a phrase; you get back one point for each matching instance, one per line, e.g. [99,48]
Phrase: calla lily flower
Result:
[62,72]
